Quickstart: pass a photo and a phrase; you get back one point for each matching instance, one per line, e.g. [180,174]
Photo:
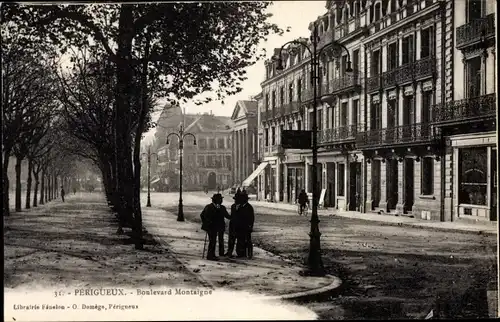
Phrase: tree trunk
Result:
[28,185]
[19,160]
[125,182]
[6,210]
[36,172]
[42,188]
[49,187]
[56,187]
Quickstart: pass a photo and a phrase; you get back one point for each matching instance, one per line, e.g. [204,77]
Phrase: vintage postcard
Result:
[249,160]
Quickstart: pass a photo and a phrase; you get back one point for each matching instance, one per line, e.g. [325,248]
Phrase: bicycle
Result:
[302,210]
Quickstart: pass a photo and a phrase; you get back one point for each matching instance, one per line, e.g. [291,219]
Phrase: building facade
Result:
[410,130]
[467,118]
[244,138]
[206,164]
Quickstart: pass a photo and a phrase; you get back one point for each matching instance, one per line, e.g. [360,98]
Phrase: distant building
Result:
[244,137]
[207,164]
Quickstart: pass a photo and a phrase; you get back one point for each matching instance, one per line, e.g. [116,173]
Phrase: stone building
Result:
[206,164]
[467,118]
[396,134]
[244,138]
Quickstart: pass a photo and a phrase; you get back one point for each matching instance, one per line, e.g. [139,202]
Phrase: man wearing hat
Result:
[212,218]
[244,226]
[232,224]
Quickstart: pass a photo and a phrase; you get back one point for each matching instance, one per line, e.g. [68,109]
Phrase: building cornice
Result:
[286,72]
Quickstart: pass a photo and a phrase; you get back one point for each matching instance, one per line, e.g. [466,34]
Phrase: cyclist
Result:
[303,200]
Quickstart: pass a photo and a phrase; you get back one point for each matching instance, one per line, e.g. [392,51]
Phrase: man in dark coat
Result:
[62,193]
[245,218]
[212,218]
[232,231]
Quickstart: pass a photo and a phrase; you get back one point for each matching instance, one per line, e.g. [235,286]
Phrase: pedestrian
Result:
[74,190]
[62,193]
[303,199]
[232,224]
[212,218]
[245,218]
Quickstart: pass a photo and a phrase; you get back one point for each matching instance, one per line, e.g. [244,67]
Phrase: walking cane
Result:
[204,245]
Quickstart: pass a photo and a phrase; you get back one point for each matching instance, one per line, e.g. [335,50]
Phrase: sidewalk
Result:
[459,226]
[264,274]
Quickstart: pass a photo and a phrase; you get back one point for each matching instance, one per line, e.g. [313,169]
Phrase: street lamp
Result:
[149,154]
[181,135]
[315,262]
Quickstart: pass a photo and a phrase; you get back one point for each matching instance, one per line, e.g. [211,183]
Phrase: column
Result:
[285,184]
[401,111]
[418,102]
[418,40]
[383,185]
[383,105]
[233,155]
[241,149]
[368,180]
[401,181]
[277,182]
[306,177]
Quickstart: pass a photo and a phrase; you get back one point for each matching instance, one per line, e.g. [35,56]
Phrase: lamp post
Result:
[149,154]
[181,136]
[314,261]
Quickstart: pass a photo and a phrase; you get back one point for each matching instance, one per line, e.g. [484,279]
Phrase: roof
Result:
[246,107]
[210,122]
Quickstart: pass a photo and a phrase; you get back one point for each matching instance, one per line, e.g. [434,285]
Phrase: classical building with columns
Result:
[468,115]
[244,137]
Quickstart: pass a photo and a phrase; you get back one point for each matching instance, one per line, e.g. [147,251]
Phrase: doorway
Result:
[212,181]
[330,185]
[354,186]
[375,183]
[392,183]
[409,178]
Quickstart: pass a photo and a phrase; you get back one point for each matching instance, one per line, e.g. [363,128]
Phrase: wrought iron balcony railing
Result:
[406,73]
[348,81]
[403,134]
[472,32]
[343,133]
[273,150]
[373,83]
[465,109]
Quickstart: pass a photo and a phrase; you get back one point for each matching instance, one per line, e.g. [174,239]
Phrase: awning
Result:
[254,174]
[155,180]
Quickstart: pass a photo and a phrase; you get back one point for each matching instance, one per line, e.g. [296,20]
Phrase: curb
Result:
[334,285]
[419,225]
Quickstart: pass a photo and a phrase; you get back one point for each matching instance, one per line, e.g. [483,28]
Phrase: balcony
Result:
[338,134]
[292,107]
[472,32]
[465,110]
[273,150]
[350,81]
[279,111]
[408,72]
[373,83]
[411,134]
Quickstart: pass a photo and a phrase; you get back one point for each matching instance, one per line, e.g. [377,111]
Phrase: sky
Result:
[294,14]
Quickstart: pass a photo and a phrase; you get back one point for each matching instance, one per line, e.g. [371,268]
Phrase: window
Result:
[273,106]
[341,179]
[290,92]
[409,110]
[426,106]
[473,77]
[475,9]
[375,66]
[228,162]
[472,172]
[299,89]
[282,96]
[273,135]
[310,120]
[427,185]
[343,65]
[408,50]
[392,56]
[266,137]
[212,144]
[267,101]
[355,111]
[299,125]
[343,114]
[375,116]
[210,161]
[290,126]
[202,143]
[220,143]
[355,60]
[427,42]
[319,114]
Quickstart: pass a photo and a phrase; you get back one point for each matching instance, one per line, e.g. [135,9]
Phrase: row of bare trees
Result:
[130,55]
